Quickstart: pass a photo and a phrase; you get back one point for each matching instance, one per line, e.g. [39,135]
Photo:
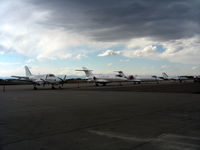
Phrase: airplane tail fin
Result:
[165,75]
[28,73]
[88,73]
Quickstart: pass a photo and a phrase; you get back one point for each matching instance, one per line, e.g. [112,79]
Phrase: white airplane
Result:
[179,78]
[141,78]
[102,78]
[41,79]
[196,78]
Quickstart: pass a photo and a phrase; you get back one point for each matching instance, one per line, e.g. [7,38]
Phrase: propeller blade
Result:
[64,77]
[62,80]
[44,82]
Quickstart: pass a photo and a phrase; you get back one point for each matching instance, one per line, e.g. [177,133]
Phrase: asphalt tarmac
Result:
[116,117]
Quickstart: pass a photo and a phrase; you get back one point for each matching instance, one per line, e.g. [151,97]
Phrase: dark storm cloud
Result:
[108,20]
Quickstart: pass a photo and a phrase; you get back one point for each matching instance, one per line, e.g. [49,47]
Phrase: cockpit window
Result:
[51,75]
[118,75]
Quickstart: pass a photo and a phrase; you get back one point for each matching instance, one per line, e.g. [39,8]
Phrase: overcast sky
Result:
[137,36]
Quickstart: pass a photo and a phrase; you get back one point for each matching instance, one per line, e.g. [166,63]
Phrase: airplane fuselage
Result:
[45,79]
[147,78]
[104,78]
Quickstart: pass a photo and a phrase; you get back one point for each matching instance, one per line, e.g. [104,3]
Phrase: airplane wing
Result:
[39,81]
[21,78]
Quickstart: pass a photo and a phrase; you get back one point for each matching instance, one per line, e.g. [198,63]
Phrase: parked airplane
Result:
[196,78]
[102,78]
[178,78]
[141,78]
[41,79]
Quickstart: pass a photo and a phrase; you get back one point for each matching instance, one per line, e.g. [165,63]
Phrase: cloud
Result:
[38,69]
[53,56]
[80,56]
[124,60]
[9,63]
[14,71]
[61,70]
[146,52]
[124,20]
[185,51]
[196,68]
[28,32]
[109,53]
[137,23]
[109,64]
[30,60]
[56,29]
[40,42]
[165,67]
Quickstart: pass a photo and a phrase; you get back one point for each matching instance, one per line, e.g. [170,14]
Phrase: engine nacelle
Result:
[130,77]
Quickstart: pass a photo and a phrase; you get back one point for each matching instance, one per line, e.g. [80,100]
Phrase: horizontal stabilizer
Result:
[84,70]
[121,74]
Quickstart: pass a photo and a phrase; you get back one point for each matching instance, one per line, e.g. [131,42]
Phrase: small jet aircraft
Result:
[44,79]
[196,78]
[102,78]
[176,78]
[140,78]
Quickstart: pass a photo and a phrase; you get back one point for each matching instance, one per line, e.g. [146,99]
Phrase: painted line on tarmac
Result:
[178,141]
[117,136]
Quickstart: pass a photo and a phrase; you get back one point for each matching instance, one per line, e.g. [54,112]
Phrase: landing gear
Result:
[104,84]
[96,84]
[35,88]
[52,87]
